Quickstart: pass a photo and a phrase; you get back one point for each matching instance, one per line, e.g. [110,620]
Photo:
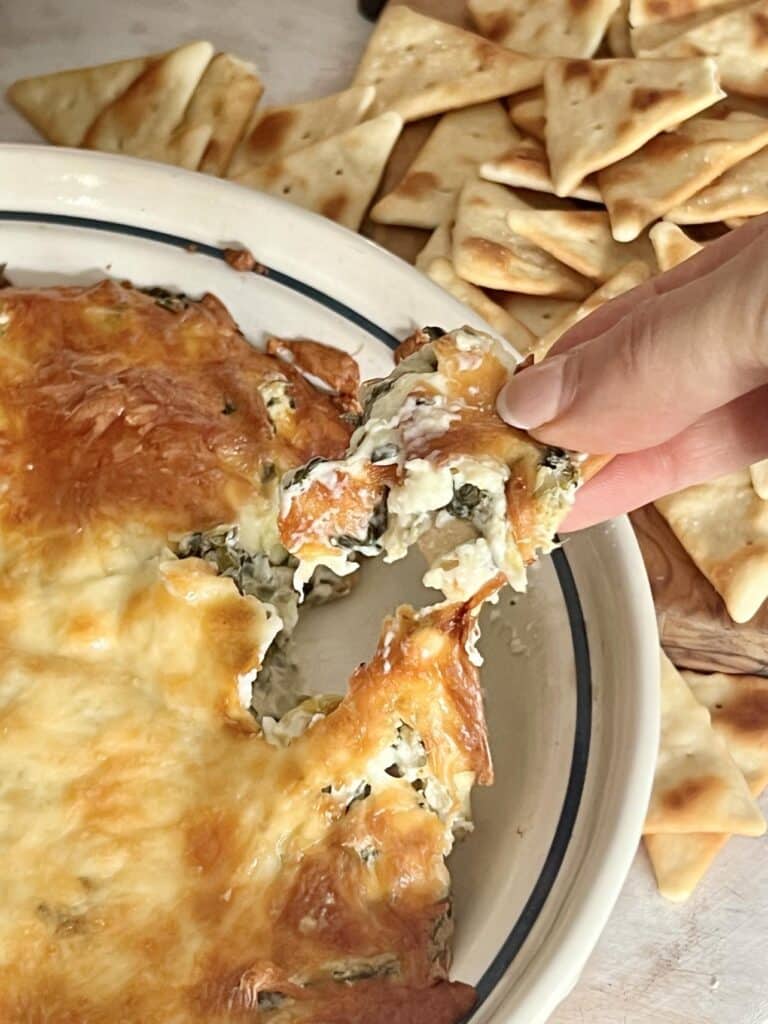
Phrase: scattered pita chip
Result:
[736,222]
[629,277]
[758,472]
[421,66]
[439,245]
[581,239]
[674,166]
[646,38]
[671,245]
[741,192]
[336,177]
[646,12]
[461,140]
[278,131]
[527,113]
[526,165]
[546,28]
[697,787]
[617,33]
[441,271]
[600,111]
[681,861]
[738,706]
[223,101]
[63,105]
[739,709]
[539,313]
[488,253]
[737,39]
[144,119]
[723,525]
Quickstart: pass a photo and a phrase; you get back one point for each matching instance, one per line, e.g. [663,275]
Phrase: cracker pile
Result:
[568,143]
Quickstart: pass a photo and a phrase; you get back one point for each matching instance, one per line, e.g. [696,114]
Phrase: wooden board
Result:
[695,629]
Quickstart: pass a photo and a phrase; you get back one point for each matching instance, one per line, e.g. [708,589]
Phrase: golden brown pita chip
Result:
[539,313]
[223,102]
[421,66]
[671,245]
[737,40]
[697,787]
[581,239]
[617,34]
[461,140]
[630,276]
[723,525]
[544,28]
[527,113]
[144,120]
[674,166]
[336,177]
[739,709]
[741,192]
[63,105]
[600,111]
[441,271]
[488,253]
[758,472]
[439,245]
[646,38]
[278,131]
[646,12]
[526,165]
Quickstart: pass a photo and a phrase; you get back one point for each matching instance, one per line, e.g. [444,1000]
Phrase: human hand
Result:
[672,377]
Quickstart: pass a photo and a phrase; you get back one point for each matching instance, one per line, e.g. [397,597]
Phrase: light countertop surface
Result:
[705,962]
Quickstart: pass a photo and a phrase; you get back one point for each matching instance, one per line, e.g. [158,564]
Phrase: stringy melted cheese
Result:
[432,450]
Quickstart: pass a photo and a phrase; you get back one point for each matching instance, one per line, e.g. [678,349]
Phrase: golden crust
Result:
[117,406]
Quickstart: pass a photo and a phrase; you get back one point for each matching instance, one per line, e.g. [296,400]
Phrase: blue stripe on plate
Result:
[583,726]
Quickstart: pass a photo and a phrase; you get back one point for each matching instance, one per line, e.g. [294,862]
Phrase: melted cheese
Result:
[432,448]
[164,860]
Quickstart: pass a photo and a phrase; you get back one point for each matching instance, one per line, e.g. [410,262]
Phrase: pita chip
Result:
[63,105]
[144,120]
[647,37]
[336,177]
[671,245]
[758,472]
[739,709]
[223,102]
[461,140]
[674,166]
[629,277]
[441,271]
[617,34]
[581,239]
[439,245]
[737,39]
[742,191]
[738,706]
[647,12]
[723,525]
[278,131]
[527,112]
[421,66]
[486,252]
[697,786]
[546,28]
[539,313]
[526,165]
[600,111]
